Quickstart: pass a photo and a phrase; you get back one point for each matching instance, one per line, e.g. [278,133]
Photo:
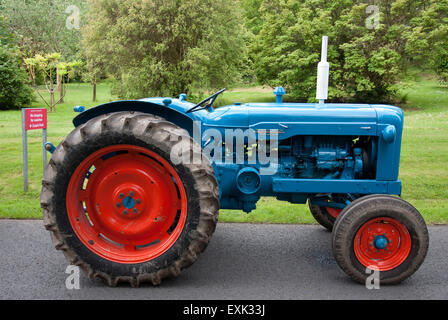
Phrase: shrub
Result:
[14,92]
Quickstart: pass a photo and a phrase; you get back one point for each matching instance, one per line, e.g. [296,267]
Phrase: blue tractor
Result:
[133,193]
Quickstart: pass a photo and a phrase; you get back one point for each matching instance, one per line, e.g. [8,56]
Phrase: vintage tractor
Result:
[133,193]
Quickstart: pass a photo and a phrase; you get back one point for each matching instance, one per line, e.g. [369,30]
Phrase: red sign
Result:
[35,119]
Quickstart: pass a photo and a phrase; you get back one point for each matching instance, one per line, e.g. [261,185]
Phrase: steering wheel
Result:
[212,99]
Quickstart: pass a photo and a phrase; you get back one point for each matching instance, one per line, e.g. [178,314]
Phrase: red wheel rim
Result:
[126,204]
[333,212]
[382,244]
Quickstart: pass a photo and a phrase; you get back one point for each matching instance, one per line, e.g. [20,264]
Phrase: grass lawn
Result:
[424,166]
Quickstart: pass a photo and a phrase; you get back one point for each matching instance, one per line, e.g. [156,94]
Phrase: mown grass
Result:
[424,162]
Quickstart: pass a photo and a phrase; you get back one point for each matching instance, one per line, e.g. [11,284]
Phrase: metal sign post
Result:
[33,119]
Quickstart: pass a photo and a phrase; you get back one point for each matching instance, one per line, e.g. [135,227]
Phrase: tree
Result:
[166,47]
[366,58]
[93,72]
[52,68]
[428,37]
[14,93]
[252,15]
[41,25]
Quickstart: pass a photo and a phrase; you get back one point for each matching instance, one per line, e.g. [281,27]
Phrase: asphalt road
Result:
[243,262]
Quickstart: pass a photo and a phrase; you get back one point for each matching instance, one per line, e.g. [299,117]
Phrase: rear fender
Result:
[167,113]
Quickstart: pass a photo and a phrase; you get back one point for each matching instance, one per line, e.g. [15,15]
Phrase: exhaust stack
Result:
[323,73]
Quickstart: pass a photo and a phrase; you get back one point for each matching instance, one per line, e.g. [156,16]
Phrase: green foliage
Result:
[14,93]
[51,68]
[166,47]
[366,63]
[40,26]
[6,36]
[252,15]
[440,63]
[428,39]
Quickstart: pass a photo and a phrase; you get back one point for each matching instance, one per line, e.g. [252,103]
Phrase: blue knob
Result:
[79,109]
[167,101]
[389,134]
[279,92]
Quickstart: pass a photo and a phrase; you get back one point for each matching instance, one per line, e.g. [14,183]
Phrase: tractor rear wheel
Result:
[120,208]
[380,233]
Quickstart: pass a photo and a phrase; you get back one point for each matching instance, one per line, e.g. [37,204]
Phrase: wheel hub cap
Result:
[380,242]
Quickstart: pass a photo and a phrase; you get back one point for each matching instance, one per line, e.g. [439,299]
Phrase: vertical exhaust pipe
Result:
[323,74]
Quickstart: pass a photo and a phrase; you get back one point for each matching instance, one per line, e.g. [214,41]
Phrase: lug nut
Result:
[121,195]
[135,211]
[125,212]
[118,205]
[138,201]
[131,194]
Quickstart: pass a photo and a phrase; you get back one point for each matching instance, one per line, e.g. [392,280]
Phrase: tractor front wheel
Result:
[380,233]
[120,208]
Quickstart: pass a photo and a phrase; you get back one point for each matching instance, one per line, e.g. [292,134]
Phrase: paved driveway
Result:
[243,261]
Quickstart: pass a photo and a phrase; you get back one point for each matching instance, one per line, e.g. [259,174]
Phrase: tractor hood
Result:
[307,119]
[289,119]
[292,119]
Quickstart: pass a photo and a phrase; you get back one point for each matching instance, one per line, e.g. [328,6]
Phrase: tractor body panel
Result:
[317,152]
[351,149]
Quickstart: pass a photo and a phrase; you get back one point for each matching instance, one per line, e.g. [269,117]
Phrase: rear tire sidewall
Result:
[74,158]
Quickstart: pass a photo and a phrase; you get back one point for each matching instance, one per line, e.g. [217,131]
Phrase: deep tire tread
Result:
[160,130]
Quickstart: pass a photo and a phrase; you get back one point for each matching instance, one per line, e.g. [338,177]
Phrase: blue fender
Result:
[169,114]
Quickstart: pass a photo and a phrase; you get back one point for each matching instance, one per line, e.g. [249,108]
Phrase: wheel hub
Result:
[128,200]
[382,244]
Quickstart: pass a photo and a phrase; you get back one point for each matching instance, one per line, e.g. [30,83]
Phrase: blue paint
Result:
[167,102]
[50,147]
[279,93]
[183,97]
[348,149]
[389,134]
[79,109]
[248,181]
[129,202]
[380,242]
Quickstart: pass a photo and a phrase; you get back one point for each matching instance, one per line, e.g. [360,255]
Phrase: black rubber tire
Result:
[155,134]
[322,216]
[365,209]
